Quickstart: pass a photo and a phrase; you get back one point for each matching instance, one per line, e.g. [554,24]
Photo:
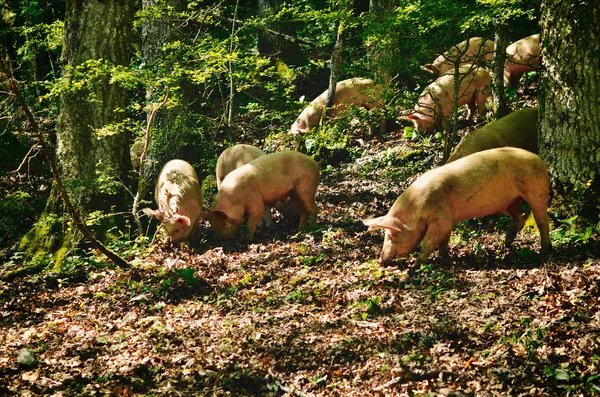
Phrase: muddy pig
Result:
[238,155]
[435,103]
[475,50]
[521,56]
[265,180]
[517,129]
[179,199]
[355,91]
[484,183]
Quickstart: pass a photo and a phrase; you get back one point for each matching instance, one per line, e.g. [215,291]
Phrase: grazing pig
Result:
[521,56]
[179,200]
[481,184]
[238,155]
[517,129]
[435,103]
[265,180]
[475,50]
[355,91]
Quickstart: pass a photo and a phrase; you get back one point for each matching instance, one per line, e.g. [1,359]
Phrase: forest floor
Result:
[314,313]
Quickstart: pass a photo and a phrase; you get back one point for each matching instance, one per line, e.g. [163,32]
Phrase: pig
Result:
[481,184]
[355,91]
[179,199]
[239,155]
[265,180]
[435,103]
[475,50]
[521,56]
[517,129]
[235,157]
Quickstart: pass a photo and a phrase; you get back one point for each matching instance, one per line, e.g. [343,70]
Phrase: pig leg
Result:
[540,214]
[471,107]
[267,220]
[437,235]
[253,219]
[303,198]
[480,100]
[517,221]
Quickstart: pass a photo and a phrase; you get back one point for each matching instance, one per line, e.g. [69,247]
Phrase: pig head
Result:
[484,183]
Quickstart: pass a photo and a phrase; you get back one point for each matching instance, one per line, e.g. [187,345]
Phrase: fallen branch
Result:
[9,80]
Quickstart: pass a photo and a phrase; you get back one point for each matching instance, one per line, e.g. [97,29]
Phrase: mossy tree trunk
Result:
[380,46]
[569,137]
[94,30]
[170,127]
[500,40]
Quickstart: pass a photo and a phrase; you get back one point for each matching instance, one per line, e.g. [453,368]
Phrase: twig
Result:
[141,183]
[263,29]
[12,86]
[18,170]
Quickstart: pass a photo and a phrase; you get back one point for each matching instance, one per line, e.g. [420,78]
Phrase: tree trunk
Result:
[336,59]
[93,30]
[500,41]
[380,54]
[569,137]
[156,32]
[278,46]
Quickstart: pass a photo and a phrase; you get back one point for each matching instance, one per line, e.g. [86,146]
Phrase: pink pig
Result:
[239,155]
[435,103]
[481,184]
[179,200]
[266,180]
[521,56]
[475,50]
[355,91]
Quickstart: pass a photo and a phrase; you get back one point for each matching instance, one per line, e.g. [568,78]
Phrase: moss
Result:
[47,238]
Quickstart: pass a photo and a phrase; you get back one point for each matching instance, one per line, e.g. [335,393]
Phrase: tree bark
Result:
[94,30]
[379,52]
[569,137]
[500,41]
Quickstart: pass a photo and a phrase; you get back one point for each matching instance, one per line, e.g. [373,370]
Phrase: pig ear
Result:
[415,116]
[384,222]
[158,214]
[218,215]
[429,68]
[182,219]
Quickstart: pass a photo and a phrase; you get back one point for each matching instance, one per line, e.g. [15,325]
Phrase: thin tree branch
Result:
[141,183]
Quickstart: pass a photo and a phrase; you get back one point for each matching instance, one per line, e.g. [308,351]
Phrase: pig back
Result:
[517,129]
[273,175]
[477,50]
[235,157]
[178,186]
[484,183]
